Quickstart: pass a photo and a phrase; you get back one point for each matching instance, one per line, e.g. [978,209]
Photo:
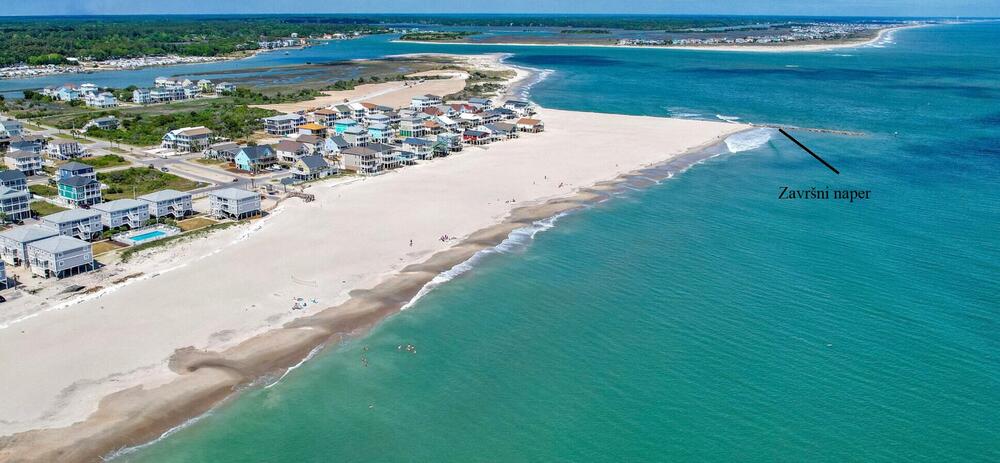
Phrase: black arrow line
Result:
[827,164]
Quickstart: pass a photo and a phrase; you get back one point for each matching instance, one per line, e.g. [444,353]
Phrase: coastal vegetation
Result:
[482,83]
[108,160]
[41,208]
[43,190]
[141,180]
[39,41]
[129,253]
[226,119]
[436,36]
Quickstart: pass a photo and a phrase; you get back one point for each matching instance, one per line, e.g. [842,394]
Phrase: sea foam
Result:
[749,140]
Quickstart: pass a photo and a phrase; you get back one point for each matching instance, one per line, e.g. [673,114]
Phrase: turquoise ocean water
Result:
[701,319]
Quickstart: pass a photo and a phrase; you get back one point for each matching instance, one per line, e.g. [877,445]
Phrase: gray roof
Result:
[75,166]
[225,146]
[233,193]
[164,195]
[59,243]
[119,205]
[339,141]
[314,162]
[71,215]
[6,192]
[77,180]
[28,233]
[18,154]
[284,117]
[417,141]
[355,130]
[257,152]
[11,175]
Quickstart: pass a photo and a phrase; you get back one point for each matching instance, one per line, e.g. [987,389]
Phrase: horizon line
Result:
[84,15]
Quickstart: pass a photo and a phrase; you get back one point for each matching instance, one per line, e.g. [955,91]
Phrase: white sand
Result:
[57,365]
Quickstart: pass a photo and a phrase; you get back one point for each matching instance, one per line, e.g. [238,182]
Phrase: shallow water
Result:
[701,318]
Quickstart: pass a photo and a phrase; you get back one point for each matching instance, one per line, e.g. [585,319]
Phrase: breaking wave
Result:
[749,140]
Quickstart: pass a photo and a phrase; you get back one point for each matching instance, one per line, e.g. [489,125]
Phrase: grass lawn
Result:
[209,162]
[115,149]
[195,223]
[43,208]
[108,160]
[81,140]
[102,247]
[43,190]
[141,180]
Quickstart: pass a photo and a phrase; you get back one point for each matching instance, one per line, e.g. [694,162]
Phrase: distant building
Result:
[344,123]
[313,128]
[101,100]
[142,96]
[234,203]
[526,124]
[27,162]
[334,145]
[59,256]
[381,133]
[225,151]
[423,101]
[14,204]
[225,87]
[172,203]
[289,151]
[356,136]
[14,241]
[130,213]
[80,223]
[420,147]
[102,123]
[29,143]
[79,191]
[283,124]
[13,179]
[187,139]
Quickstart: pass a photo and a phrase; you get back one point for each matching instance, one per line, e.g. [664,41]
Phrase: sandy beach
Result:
[119,368]
[883,35]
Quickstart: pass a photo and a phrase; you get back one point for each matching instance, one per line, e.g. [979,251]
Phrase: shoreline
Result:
[206,380]
[786,47]
[133,401]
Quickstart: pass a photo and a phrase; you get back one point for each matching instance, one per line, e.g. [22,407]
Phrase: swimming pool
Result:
[147,236]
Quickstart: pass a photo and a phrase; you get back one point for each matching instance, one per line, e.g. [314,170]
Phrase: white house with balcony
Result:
[79,223]
[131,213]
[187,139]
[61,148]
[283,124]
[60,257]
[234,203]
[10,128]
[101,100]
[168,203]
[25,161]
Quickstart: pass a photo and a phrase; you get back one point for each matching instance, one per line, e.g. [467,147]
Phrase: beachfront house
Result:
[312,128]
[420,147]
[342,124]
[234,203]
[79,223]
[27,162]
[60,257]
[423,101]
[68,93]
[142,96]
[469,120]
[225,151]
[14,241]
[187,139]
[361,160]
[311,168]
[520,107]
[526,124]
[283,124]
[206,85]
[14,204]
[62,148]
[79,191]
[10,128]
[501,130]
[131,213]
[289,151]
[168,203]
[102,123]
[451,142]
[381,133]
[255,158]
[13,179]
[101,100]
[356,136]
[448,123]
[75,169]
[475,137]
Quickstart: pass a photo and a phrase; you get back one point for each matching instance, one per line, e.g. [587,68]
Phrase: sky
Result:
[967,8]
